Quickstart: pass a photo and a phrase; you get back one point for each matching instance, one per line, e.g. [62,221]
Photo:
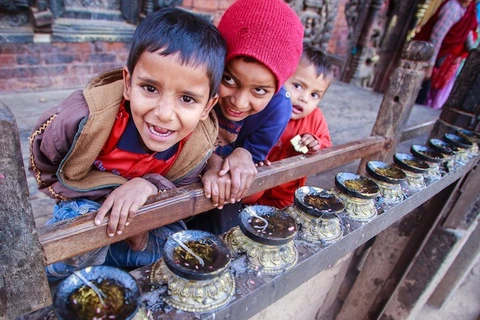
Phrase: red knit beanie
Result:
[266,30]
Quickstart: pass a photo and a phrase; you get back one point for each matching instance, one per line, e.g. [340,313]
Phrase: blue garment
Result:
[117,254]
[258,133]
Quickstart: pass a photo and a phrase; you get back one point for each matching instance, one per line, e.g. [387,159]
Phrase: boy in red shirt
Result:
[306,87]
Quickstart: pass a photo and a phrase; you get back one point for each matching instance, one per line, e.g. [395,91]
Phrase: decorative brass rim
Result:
[194,296]
[392,193]
[357,209]
[434,171]
[416,181]
[260,257]
[316,229]
[461,156]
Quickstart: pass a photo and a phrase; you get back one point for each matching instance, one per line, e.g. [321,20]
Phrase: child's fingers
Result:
[114,219]
[126,214]
[214,194]
[235,187]
[207,188]
[225,168]
[223,193]
[102,212]
[246,185]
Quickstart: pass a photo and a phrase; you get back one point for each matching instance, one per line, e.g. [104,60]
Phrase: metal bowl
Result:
[442,146]
[356,185]
[318,202]
[410,163]
[474,137]
[210,248]
[75,300]
[457,141]
[427,154]
[385,172]
[280,230]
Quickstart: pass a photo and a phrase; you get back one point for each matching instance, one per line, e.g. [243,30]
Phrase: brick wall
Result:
[41,66]
[38,66]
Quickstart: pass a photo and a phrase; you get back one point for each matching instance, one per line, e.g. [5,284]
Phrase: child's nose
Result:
[303,97]
[165,109]
[240,100]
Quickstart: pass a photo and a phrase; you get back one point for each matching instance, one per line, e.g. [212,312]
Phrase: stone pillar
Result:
[23,283]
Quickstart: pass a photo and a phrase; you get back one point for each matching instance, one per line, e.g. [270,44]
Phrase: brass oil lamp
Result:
[473,137]
[265,235]
[195,269]
[358,194]
[448,151]
[389,179]
[415,169]
[434,159]
[98,292]
[316,212]
[463,146]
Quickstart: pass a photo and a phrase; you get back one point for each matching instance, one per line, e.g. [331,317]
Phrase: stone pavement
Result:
[350,112]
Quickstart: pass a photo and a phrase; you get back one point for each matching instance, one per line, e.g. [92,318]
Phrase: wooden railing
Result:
[72,237]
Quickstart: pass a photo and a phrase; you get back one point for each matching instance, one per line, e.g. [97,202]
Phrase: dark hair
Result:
[196,40]
[320,60]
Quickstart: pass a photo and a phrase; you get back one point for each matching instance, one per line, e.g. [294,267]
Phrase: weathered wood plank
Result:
[23,284]
[466,259]
[417,130]
[399,99]
[426,271]
[76,236]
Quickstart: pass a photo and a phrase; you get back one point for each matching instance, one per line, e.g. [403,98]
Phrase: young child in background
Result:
[307,87]
[264,44]
[133,133]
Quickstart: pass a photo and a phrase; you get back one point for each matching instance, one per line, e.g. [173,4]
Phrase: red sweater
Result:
[282,196]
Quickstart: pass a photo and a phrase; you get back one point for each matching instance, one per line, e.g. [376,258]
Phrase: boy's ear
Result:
[210,104]
[127,83]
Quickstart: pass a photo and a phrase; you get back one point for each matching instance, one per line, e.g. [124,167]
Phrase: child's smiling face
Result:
[306,90]
[167,99]
[246,88]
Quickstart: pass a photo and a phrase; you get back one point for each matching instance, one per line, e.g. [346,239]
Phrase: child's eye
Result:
[228,80]
[260,91]
[297,86]
[315,96]
[188,99]
[149,89]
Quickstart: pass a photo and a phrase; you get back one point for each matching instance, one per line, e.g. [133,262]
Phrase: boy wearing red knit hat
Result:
[264,44]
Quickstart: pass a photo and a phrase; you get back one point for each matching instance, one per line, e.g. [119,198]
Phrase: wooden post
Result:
[23,283]
[459,218]
[404,12]
[462,108]
[389,245]
[363,41]
[399,99]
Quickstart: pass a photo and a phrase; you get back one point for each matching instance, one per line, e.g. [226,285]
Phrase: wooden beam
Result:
[399,99]
[72,237]
[23,283]
[417,130]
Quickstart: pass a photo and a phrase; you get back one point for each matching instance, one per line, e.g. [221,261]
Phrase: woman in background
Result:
[453,31]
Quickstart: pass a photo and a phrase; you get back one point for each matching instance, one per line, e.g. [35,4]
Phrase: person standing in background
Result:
[452,30]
